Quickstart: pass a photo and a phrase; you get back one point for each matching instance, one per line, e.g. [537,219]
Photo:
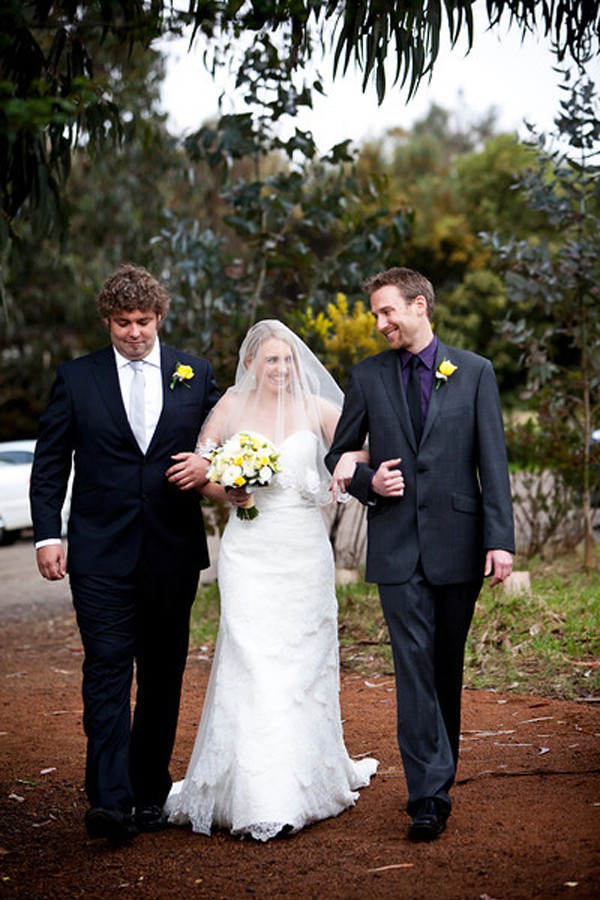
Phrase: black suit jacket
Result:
[122,505]
[457,499]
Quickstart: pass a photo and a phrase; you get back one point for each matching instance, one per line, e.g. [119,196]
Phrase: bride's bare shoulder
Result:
[327,410]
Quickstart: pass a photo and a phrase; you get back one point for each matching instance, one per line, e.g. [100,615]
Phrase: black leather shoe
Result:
[429,821]
[113,824]
[151,818]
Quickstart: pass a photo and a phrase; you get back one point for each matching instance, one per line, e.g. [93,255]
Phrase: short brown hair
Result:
[411,284]
[130,288]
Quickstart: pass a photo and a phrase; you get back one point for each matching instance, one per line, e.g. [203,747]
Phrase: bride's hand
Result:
[344,471]
[188,472]
[237,496]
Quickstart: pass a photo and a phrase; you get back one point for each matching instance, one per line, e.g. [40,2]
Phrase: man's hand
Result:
[188,472]
[388,480]
[51,562]
[498,564]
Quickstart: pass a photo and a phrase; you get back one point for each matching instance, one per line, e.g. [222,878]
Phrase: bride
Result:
[269,756]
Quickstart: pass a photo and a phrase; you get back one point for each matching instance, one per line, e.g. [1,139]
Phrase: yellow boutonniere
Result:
[181,374]
[444,371]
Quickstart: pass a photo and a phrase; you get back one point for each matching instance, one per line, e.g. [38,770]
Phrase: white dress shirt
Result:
[154,389]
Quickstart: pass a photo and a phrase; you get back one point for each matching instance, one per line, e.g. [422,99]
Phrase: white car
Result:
[16,459]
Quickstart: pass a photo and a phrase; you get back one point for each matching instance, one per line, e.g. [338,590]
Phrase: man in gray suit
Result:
[439,518]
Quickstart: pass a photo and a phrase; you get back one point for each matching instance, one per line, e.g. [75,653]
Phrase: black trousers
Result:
[142,619]
[428,626]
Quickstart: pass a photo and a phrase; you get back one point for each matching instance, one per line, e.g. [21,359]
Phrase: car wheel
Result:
[8,537]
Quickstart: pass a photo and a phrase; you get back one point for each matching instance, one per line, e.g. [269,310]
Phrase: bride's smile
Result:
[274,365]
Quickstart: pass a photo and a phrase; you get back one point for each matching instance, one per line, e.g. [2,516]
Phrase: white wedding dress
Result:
[270,756]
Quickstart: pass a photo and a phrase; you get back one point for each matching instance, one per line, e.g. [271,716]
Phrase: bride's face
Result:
[274,365]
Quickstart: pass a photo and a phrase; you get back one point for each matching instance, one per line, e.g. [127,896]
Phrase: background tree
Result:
[52,96]
[116,204]
[295,227]
[452,181]
[558,282]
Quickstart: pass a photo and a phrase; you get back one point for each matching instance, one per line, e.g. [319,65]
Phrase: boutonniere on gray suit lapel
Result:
[182,374]
[444,371]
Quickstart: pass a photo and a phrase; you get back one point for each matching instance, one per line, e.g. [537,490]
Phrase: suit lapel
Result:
[168,363]
[107,379]
[438,394]
[391,374]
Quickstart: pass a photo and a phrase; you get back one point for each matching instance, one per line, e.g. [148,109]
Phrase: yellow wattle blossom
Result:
[342,335]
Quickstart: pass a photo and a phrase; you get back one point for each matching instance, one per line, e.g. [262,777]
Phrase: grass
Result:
[545,643]
[205,617]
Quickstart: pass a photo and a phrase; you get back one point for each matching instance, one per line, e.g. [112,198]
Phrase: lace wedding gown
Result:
[270,755]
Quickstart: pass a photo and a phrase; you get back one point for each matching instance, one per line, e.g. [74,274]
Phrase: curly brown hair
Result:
[410,283]
[129,288]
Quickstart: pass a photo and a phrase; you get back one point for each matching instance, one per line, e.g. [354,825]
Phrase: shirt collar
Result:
[427,355]
[153,358]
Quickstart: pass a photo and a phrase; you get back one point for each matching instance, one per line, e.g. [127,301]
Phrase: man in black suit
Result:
[439,518]
[128,417]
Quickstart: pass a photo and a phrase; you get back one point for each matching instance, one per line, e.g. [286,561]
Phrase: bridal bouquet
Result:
[246,460]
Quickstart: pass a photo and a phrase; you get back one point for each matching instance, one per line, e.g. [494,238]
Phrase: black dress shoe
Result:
[429,820]
[113,824]
[151,818]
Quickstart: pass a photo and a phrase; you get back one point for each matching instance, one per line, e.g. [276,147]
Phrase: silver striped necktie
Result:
[137,403]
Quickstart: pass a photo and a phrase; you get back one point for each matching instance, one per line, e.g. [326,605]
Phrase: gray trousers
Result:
[428,626]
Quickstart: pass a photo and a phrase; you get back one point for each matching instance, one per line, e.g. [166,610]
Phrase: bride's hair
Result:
[280,394]
[255,338]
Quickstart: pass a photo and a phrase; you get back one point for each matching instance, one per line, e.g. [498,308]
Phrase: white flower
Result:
[265,474]
[245,460]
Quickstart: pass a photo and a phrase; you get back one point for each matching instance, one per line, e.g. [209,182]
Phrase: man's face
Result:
[133,334]
[404,325]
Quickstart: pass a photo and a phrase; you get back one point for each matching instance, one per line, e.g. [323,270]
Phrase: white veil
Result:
[280,390]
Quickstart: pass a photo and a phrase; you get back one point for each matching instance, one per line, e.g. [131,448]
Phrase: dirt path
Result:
[526,822]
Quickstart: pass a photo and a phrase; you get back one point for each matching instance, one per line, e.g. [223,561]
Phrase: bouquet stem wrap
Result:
[248,511]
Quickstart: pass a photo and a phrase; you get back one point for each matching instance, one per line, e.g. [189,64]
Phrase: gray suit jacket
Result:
[457,499]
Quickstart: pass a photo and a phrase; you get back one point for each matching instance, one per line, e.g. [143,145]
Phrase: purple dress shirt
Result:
[425,370]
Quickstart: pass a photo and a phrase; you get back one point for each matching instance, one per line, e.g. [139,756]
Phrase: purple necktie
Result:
[413,396]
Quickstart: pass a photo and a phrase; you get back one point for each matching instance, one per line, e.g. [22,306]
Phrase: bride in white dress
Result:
[269,756]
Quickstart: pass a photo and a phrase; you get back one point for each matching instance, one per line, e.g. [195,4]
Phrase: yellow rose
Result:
[447,368]
[181,374]
[444,371]
[184,372]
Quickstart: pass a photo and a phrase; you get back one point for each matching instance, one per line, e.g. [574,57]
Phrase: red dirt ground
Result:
[526,819]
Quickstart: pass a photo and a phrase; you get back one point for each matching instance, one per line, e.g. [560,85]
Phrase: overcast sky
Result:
[515,77]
